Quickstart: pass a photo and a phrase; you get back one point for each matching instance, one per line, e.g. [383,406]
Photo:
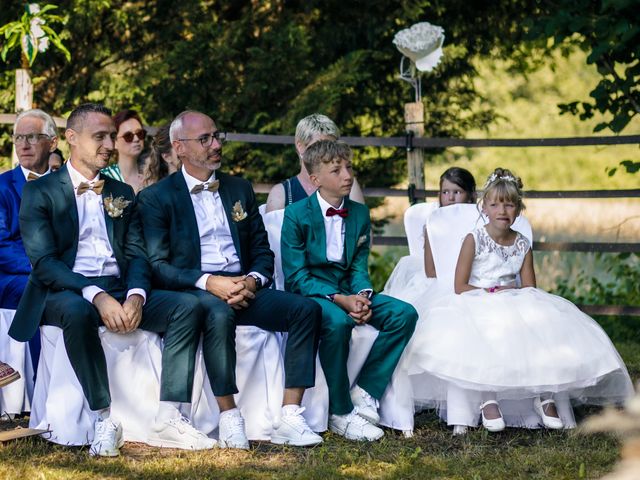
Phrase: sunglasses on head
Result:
[128,137]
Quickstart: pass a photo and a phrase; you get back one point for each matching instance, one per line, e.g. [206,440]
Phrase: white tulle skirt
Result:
[512,345]
[409,283]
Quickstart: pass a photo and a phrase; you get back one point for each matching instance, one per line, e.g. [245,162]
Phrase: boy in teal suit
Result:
[325,250]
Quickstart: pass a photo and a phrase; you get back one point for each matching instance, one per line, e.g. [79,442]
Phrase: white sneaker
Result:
[293,430]
[367,405]
[354,427]
[107,438]
[232,432]
[179,433]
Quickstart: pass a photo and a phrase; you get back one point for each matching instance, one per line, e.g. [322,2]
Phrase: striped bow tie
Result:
[96,186]
[210,186]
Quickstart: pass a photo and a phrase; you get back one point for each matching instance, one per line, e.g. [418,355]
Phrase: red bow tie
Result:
[343,212]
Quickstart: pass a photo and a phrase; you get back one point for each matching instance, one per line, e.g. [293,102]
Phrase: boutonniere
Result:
[362,240]
[115,206]
[237,212]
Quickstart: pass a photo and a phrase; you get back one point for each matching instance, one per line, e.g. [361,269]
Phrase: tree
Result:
[609,30]
[32,34]
[261,66]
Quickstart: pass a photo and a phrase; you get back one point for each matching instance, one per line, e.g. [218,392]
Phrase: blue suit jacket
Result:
[13,258]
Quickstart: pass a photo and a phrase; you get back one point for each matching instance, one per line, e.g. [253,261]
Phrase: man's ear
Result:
[71,136]
[178,147]
[299,148]
[54,144]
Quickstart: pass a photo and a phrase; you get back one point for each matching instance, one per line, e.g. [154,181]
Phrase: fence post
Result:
[414,125]
[24,97]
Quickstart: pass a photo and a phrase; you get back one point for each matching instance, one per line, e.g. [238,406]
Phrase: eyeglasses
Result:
[31,138]
[207,139]
[128,137]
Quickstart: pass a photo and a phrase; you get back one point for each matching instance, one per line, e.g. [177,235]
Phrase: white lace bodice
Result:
[496,264]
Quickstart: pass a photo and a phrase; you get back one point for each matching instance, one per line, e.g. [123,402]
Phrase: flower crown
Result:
[494,176]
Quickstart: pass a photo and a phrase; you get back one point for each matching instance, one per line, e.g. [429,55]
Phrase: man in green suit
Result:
[90,270]
[205,237]
[325,250]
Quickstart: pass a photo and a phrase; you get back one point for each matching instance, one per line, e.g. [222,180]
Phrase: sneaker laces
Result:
[368,399]
[105,431]
[356,419]
[235,424]
[296,420]
[183,425]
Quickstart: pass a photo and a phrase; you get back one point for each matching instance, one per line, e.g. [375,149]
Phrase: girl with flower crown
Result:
[413,278]
[502,350]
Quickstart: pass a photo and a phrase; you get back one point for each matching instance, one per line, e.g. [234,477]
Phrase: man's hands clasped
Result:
[236,291]
[116,317]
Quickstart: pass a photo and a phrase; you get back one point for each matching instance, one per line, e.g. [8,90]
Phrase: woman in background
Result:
[129,145]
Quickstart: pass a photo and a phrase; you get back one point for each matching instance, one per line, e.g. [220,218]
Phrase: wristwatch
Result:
[257,279]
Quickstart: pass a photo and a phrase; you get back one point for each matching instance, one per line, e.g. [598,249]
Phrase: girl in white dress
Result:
[510,355]
[414,276]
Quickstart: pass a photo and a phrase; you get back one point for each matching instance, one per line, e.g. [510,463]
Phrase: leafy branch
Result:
[32,34]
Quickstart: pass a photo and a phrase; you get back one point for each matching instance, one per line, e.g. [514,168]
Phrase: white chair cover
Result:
[415,219]
[394,412]
[260,380]
[273,224]
[134,364]
[447,228]
[16,397]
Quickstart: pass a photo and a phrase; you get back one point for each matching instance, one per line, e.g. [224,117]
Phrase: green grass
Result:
[432,453]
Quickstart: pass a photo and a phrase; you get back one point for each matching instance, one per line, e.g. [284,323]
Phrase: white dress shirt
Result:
[26,173]
[334,231]
[217,250]
[95,257]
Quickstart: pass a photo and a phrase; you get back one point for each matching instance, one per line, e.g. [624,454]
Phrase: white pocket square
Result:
[362,240]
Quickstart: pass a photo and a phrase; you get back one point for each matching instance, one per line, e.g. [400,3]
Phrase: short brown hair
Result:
[325,151]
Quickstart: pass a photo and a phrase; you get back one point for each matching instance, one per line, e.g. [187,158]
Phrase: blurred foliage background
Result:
[515,68]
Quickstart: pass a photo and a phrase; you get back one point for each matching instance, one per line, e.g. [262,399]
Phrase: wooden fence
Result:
[409,142]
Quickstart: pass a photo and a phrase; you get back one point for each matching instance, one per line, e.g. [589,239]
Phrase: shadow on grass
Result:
[432,453]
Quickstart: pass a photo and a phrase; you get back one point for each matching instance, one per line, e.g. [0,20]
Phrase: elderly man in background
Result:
[35,136]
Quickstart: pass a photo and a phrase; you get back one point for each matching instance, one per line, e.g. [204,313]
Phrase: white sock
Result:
[167,411]
[289,409]
[104,414]
[233,411]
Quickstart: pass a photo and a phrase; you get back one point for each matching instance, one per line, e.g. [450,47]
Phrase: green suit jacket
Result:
[173,240]
[304,258]
[50,230]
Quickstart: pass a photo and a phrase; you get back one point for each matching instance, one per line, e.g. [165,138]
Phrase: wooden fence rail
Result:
[409,142]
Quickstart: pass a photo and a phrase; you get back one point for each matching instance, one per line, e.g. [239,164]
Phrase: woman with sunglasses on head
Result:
[129,145]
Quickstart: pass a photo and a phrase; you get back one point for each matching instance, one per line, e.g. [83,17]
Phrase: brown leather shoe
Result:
[7,374]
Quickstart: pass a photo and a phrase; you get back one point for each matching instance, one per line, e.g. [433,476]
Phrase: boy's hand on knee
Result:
[356,306]
[364,315]
[111,312]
